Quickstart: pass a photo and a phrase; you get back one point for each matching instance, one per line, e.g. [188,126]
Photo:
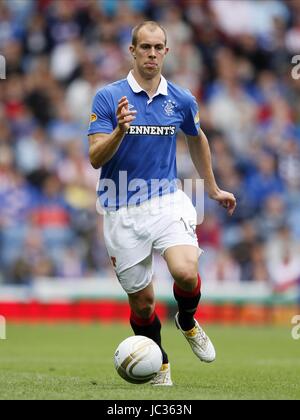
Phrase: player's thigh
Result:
[175,234]
[136,278]
[182,261]
[126,240]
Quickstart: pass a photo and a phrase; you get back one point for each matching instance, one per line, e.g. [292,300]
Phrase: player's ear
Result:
[166,50]
[132,51]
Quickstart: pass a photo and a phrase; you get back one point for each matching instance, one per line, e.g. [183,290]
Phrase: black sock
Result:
[187,305]
[149,328]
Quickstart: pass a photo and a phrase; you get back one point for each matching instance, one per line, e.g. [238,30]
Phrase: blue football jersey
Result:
[144,166]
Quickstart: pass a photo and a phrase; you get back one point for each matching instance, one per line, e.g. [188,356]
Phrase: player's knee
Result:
[145,308]
[186,277]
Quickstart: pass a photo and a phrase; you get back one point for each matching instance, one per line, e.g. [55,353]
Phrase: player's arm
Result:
[201,157]
[102,147]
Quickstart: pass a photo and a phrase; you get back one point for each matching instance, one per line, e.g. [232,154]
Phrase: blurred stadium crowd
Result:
[235,56]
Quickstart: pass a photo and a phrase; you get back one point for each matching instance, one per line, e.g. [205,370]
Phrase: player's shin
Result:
[187,304]
[150,328]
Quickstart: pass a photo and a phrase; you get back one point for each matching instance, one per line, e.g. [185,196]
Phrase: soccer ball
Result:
[138,359]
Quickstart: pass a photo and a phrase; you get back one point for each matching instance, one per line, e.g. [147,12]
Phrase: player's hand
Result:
[226,200]
[124,116]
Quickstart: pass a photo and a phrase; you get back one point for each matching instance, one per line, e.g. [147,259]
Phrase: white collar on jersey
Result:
[162,88]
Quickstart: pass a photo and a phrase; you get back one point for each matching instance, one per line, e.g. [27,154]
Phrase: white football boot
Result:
[199,342]
[163,377]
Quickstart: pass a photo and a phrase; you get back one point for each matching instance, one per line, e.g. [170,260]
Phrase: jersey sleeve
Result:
[191,123]
[101,118]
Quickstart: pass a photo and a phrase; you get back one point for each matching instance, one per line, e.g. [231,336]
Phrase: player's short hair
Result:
[152,26]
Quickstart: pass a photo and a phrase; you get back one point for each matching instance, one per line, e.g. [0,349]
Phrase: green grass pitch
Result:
[75,362]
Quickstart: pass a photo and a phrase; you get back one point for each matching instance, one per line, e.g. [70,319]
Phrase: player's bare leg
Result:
[142,303]
[182,262]
[144,321]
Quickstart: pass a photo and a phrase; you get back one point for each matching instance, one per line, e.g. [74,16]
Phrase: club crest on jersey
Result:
[169,107]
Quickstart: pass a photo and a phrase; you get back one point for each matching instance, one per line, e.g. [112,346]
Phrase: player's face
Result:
[149,52]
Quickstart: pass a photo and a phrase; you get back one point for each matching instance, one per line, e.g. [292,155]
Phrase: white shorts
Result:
[131,234]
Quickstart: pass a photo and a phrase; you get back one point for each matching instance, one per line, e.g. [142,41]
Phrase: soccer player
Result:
[132,137]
